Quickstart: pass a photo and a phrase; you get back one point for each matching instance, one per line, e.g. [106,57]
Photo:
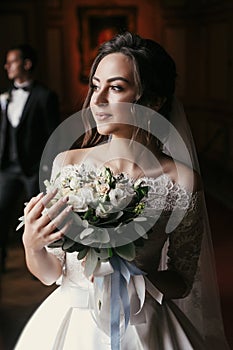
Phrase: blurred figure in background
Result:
[29,114]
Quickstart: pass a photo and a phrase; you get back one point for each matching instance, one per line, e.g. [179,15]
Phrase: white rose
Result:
[64,192]
[78,203]
[118,198]
[74,183]
[127,188]
[87,194]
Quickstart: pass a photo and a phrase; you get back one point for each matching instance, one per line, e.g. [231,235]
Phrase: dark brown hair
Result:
[26,52]
[154,75]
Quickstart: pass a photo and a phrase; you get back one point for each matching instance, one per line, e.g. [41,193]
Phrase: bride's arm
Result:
[183,254]
[175,280]
[40,231]
[169,282]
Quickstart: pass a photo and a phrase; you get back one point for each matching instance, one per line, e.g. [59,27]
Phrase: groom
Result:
[29,114]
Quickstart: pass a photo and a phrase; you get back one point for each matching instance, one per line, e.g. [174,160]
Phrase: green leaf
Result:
[139,229]
[112,218]
[90,262]
[82,253]
[104,253]
[86,232]
[88,214]
[68,244]
[56,244]
[140,218]
[100,236]
[110,253]
[126,251]
[77,219]
[58,174]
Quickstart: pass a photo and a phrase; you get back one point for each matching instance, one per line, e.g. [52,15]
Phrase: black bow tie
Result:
[25,88]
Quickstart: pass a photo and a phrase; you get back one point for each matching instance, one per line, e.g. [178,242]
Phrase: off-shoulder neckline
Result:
[143,178]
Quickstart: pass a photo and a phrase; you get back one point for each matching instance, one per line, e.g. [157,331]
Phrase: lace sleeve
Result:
[185,243]
[59,253]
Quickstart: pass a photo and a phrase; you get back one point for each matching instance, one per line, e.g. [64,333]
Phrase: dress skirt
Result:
[67,321]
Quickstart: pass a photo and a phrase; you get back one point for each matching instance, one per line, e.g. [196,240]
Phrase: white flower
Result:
[81,200]
[126,187]
[118,198]
[102,188]
[78,203]
[74,183]
[4,98]
[64,192]
[87,194]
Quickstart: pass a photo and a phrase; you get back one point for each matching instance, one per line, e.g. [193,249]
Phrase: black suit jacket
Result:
[39,118]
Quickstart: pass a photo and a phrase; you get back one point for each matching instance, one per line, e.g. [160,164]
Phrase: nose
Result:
[100,97]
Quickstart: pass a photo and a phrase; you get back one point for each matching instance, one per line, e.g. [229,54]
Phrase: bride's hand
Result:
[40,230]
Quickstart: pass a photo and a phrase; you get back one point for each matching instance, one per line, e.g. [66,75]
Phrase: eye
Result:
[94,87]
[117,88]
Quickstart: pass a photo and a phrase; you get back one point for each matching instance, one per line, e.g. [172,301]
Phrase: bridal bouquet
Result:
[107,213]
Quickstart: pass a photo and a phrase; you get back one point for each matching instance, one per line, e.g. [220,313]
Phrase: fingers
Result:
[37,204]
[41,230]
[53,211]
[48,197]
[59,234]
[59,219]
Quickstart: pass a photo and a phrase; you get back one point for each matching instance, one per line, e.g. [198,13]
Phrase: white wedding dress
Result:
[66,320]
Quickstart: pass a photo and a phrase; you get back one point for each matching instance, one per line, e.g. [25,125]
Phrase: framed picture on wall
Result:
[97,25]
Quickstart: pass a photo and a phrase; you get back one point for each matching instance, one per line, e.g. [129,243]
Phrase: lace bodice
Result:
[184,242]
[179,250]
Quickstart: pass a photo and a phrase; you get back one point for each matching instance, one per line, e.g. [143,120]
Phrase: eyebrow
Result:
[113,79]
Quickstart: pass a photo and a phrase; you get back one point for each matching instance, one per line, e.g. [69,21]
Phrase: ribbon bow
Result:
[121,271]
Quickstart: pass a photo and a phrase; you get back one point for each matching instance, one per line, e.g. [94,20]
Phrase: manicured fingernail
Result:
[39,195]
[54,191]
[65,199]
[69,208]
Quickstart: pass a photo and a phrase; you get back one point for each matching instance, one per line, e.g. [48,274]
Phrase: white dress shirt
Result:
[17,102]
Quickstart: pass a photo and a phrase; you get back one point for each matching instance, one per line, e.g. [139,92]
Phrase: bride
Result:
[132,107]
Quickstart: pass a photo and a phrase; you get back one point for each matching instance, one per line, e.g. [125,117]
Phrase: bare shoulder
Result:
[94,155]
[183,175]
[70,157]
[66,158]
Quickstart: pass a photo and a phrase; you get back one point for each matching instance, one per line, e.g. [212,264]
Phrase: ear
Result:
[27,64]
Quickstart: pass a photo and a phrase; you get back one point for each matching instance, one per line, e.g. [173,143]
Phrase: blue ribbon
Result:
[123,270]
